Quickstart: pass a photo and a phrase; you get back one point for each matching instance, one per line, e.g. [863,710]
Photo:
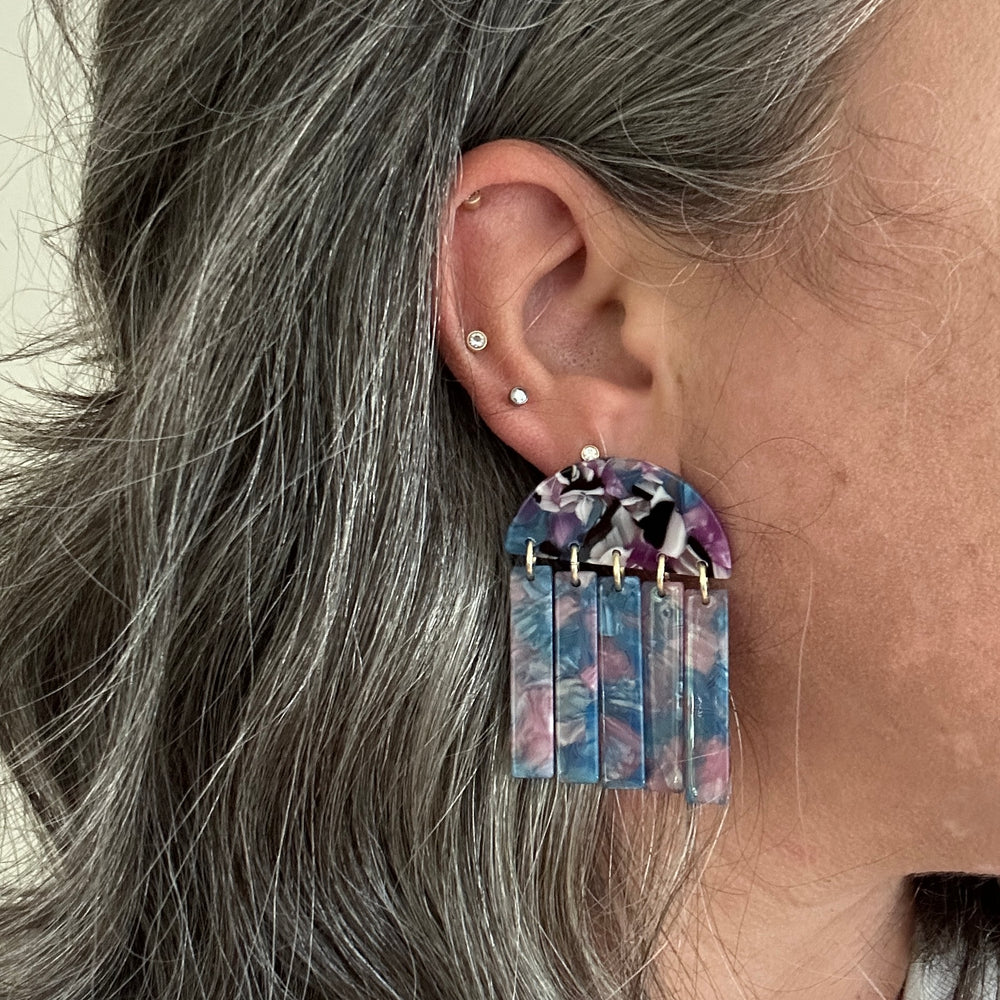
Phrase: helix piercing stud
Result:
[476,340]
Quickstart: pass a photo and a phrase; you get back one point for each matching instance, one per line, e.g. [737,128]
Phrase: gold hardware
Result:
[703,581]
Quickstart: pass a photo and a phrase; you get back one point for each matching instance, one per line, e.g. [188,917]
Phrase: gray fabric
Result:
[929,982]
[935,980]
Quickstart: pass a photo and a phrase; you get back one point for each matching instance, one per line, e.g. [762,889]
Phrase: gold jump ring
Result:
[703,581]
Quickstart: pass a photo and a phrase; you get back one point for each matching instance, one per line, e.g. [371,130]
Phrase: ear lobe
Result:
[539,262]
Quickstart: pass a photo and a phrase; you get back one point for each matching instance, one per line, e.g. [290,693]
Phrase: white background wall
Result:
[26,276]
[36,182]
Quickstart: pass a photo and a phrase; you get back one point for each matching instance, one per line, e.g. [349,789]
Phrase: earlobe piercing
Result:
[589,452]
[473,200]
[518,396]
[475,340]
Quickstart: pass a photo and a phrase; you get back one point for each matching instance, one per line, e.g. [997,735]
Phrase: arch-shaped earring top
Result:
[625,505]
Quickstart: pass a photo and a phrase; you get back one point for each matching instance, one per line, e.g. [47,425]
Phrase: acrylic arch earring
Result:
[619,674]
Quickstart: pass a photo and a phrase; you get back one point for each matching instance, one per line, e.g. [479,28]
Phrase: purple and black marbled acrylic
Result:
[632,506]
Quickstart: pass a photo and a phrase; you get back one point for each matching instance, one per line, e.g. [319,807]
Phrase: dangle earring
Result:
[619,674]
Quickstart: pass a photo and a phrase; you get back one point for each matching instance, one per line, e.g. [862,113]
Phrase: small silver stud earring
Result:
[475,340]
[518,396]
[589,452]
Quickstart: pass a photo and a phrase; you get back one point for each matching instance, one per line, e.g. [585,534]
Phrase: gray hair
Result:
[253,622]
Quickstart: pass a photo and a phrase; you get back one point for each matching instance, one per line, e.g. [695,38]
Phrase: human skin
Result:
[857,431]
[836,400]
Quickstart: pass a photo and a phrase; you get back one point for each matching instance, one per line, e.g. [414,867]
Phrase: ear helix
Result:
[476,340]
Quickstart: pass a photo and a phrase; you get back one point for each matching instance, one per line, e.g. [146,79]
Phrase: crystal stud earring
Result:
[475,340]
[518,396]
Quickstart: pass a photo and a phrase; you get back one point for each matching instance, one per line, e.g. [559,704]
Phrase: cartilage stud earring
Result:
[475,340]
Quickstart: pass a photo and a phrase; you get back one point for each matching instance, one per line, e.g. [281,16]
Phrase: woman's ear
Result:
[570,301]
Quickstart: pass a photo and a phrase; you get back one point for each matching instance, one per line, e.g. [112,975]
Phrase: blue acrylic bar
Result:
[576,678]
[706,680]
[622,745]
[663,654]
[532,720]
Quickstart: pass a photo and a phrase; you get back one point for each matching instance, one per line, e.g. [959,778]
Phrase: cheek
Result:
[911,548]
[864,509]
[856,433]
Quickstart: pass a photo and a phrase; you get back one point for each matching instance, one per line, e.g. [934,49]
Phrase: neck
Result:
[769,920]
